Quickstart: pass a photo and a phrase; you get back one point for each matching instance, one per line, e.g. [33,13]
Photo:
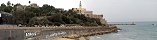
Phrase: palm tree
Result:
[8,3]
[12,4]
[29,2]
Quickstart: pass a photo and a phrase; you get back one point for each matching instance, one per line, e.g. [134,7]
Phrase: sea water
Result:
[140,31]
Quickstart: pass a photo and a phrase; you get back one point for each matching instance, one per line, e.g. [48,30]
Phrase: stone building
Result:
[88,13]
[20,7]
[34,5]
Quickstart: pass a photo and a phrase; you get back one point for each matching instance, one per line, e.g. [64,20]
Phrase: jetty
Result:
[123,24]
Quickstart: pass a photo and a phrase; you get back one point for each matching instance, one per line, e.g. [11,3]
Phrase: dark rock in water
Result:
[119,29]
[152,24]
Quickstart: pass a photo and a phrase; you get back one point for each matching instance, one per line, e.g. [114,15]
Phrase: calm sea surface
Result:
[140,31]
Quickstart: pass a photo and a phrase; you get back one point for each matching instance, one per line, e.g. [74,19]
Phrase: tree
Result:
[8,9]
[29,2]
[23,17]
[8,3]
[5,8]
[45,9]
[47,14]
[12,4]
[38,21]
[3,5]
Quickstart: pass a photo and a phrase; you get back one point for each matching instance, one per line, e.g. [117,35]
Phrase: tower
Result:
[80,7]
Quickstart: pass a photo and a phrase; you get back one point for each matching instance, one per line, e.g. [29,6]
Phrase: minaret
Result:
[80,7]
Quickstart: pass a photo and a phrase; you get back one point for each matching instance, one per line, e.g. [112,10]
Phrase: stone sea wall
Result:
[16,33]
[84,36]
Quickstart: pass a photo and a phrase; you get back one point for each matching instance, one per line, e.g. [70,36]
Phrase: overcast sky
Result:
[113,10]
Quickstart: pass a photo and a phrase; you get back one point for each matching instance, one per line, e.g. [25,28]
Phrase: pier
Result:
[122,24]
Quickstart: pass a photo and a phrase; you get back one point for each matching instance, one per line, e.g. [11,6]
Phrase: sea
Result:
[140,31]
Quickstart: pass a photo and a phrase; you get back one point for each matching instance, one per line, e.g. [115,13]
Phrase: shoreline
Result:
[85,36]
[81,38]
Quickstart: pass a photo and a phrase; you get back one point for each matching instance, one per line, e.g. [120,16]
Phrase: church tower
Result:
[80,7]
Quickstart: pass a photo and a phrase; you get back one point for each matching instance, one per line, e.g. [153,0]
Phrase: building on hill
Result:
[85,12]
[20,7]
[34,5]
[89,14]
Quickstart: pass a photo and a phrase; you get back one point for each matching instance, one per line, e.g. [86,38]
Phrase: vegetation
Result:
[45,15]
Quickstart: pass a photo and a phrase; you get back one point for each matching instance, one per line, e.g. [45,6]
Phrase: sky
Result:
[113,10]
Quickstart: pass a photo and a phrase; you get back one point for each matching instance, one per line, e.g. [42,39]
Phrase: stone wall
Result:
[11,35]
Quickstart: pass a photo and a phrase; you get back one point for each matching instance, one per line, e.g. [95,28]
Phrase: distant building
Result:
[34,5]
[87,13]
[83,11]
[20,7]
[6,18]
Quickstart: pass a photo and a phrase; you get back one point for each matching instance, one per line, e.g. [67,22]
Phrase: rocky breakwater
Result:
[83,35]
